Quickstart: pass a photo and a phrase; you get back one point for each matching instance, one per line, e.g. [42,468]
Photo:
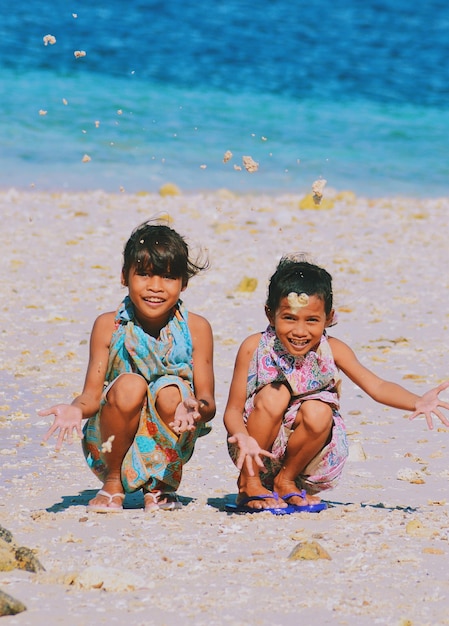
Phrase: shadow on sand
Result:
[133,501]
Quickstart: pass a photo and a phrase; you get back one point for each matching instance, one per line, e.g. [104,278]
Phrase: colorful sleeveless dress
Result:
[312,377]
[156,456]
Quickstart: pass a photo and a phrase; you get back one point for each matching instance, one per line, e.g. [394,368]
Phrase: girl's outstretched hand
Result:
[249,451]
[68,419]
[186,416]
[428,405]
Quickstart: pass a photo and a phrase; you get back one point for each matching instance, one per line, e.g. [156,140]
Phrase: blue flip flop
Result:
[305,508]
[241,507]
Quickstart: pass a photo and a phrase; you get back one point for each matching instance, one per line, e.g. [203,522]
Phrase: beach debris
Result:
[308,551]
[348,197]
[169,189]
[247,285]
[430,550]
[27,560]
[356,452]
[70,538]
[8,451]
[415,528]
[410,475]
[416,377]
[106,446]
[297,301]
[79,53]
[227,156]
[6,535]
[107,579]
[309,202]
[13,556]
[86,158]
[49,39]
[9,605]
[249,164]
[317,190]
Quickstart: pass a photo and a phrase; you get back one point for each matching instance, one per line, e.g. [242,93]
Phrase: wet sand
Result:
[387,527]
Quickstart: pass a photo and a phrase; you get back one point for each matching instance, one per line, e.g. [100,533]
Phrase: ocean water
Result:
[357,93]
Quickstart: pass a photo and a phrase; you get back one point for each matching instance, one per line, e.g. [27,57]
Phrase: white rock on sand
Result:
[61,256]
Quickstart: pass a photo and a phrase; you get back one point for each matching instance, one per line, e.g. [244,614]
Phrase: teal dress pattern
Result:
[156,457]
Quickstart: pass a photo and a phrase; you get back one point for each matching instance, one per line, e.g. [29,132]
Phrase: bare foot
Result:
[301,498]
[110,496]
[155,500]
[251,487]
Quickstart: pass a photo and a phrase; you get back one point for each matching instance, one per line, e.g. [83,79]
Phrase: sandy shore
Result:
[61,256]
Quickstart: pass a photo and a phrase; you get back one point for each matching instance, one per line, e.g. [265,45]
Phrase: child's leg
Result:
[312,431]
[167,400]
[120,418]
[270,404]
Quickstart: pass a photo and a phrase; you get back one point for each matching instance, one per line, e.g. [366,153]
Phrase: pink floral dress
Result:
[312,377]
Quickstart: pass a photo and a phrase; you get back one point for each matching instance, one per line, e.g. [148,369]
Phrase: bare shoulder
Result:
[341,352]
[105,320]
[103,327]
[333,342]
[242,363]
[201,334]
[249,345]
[198,323]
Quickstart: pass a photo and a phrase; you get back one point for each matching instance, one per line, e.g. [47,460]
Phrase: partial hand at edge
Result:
[429,404]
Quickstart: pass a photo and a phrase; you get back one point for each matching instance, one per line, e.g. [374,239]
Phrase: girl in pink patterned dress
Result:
[283,402]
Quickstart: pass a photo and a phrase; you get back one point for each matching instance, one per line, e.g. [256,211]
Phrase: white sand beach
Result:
[386,530]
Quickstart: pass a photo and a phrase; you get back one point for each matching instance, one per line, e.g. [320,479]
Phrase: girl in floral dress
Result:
[283,401]
[149,387]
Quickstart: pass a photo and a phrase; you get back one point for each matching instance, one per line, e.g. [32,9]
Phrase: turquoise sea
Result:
[357,93]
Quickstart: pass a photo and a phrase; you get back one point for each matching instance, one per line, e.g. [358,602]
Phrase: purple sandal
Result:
[304,508]
[241,507]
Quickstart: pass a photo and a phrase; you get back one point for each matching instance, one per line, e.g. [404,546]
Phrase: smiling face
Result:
[300,329]
[153,297]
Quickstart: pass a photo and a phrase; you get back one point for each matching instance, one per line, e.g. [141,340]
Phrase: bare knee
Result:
[315,416]
[272,400]
[127,393]
[167,400]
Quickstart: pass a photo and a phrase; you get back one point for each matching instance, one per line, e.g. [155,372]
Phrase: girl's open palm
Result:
[67,419]
[186,416]
[249,451]
[429,404]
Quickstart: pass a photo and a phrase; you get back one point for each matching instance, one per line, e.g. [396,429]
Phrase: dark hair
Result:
[299,277]
[158,249]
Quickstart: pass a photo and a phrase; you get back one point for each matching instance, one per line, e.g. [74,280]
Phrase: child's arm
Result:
[386,392]
[203,366]
[68,417]
[249,449]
